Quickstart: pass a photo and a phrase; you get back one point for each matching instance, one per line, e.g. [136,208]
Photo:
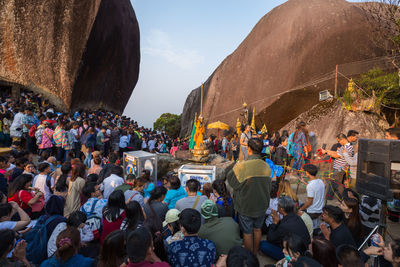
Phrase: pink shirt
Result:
[47,137]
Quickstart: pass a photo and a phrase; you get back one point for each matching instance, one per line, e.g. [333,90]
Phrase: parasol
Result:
[218,125]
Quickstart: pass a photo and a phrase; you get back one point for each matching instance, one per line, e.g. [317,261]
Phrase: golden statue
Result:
[200,130]
[199,152]
[238,127]
[253,121]
[264,129]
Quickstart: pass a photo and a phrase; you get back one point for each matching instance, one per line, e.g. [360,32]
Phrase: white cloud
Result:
[158,44]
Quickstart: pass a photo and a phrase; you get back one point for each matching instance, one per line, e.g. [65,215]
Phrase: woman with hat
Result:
[171,221]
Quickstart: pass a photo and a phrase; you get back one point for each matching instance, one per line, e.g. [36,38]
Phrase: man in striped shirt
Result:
[340,166]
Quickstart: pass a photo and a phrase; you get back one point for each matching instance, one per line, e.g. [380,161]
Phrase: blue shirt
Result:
[173,195]
[75,261]
[147,190]
[192,251]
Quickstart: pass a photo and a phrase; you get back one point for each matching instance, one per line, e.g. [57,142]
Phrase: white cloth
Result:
[110,183]
[308,222]
[17,124]
[40,182]
[8,225]
[273,205]
[316,190]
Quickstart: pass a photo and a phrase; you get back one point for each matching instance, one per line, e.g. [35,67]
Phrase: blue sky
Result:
[182,43]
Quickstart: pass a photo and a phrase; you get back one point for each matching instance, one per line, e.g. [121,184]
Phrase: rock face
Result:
[369,125]
[291,45]
[80,54]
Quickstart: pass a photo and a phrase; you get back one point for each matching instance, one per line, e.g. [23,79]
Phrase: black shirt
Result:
[341,236]
[290,224]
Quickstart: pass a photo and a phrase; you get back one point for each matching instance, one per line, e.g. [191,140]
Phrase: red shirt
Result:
[109,227]
[22,200]
[51,122]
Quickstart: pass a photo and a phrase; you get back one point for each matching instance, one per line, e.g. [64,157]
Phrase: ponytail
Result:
[68,242]
[220,187]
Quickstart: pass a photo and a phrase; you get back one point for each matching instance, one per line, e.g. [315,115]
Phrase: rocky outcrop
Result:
[79,54]
[369,125]
[291,45]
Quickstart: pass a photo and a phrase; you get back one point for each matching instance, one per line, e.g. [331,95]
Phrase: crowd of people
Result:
[65,200]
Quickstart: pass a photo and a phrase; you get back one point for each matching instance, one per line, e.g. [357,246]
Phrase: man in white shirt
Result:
[315,194]
[112,181]
[44,181]
[16,126]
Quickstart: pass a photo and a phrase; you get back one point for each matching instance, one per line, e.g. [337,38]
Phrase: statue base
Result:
[199,154]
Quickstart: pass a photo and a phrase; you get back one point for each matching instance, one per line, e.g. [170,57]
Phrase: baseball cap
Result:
[209,209]
[171,216]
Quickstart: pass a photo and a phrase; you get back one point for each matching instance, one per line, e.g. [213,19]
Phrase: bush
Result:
[170,123]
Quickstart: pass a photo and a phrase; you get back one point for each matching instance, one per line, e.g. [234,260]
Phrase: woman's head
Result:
[140,184]
[138,244]
[77,219]
[134,214]
[286,190]
[207,190]
[113,252]
[22,182]
[116,203]
[174,182]
[68,242]
[29,167]
[350,207]
[78,170]
[238,256]
[274,189]
[324,252]
[66,168]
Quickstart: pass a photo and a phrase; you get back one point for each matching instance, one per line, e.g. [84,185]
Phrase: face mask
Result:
[288,258]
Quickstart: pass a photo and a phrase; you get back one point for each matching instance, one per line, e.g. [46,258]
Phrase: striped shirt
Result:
[340,163]
[59,137]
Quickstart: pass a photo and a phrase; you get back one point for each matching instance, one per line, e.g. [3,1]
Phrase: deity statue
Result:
[238,127]
[245,114]
[200,130]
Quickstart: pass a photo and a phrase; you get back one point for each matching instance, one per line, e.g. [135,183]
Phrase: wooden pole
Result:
[336,81]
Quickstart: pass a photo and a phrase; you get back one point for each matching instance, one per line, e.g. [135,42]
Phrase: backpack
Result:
[32,131]
[48,183]
[37,238]
[93,221]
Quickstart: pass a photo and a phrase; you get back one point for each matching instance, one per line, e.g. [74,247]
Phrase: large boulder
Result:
[290,46]
[79,54]
[340,120]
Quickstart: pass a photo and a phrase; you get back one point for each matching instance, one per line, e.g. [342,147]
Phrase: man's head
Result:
[190,221]
[138,245]
[117,170]
[286,205]
[332,214]
[349,256]
[44,168]
[392,134]
[91,190]
[192,186]
[342,139]
[255,146]
[311,170]
[352,136]
[247,128]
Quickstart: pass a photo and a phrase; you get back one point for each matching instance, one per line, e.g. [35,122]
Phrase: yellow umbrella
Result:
[218,125]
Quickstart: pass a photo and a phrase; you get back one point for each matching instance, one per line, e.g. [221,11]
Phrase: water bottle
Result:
[375,240]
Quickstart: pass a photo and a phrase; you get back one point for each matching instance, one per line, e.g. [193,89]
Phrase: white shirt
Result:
[316,190]
[110,183]
[74,134]
[40,182]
